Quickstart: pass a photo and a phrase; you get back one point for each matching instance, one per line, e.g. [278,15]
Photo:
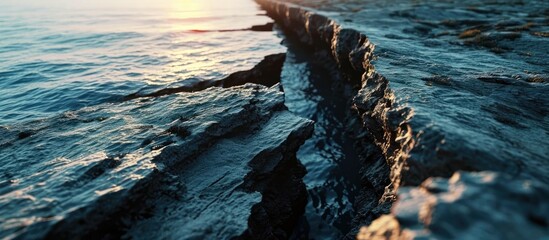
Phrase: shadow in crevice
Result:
[315,89]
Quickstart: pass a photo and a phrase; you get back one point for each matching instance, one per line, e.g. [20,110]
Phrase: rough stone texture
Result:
[347,47]
[314,89]
[224,158]
[435,102]
[222,192]
[483,205]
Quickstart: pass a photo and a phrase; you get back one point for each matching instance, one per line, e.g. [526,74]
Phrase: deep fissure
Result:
[329,155]
[316,88]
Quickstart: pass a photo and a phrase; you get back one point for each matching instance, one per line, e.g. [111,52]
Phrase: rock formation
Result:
[482,205]
[448,114]
[429,115]
[223,158]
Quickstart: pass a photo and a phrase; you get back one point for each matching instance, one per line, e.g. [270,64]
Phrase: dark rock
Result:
[438,80]
[97,170]
[180,131]
[488,205]
[495,124]
[268,27]
[25,134]
[235,162]
[266,73]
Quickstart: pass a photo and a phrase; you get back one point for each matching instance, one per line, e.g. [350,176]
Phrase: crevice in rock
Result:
[315,88]
[384,139]
[417,151]
[270,186]
[283,190]
[255,141]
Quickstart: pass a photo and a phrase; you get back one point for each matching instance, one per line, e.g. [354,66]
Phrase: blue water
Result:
[60,55]
[65,67]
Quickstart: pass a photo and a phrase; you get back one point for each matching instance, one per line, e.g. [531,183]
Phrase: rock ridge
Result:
[416,149]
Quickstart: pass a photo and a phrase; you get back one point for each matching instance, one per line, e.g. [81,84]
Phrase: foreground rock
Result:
[483,205]
[430,100]
[223,158]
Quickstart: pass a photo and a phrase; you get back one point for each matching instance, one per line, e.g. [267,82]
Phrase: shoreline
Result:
[407,147]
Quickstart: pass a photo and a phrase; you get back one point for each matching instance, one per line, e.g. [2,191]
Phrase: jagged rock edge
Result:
[384,119]
[266,73]
[389,126]
[111,214]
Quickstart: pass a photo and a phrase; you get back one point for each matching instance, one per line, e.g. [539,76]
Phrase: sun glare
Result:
[189,8]
[191,14]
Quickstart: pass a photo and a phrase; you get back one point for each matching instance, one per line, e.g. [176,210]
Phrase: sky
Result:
[124,4]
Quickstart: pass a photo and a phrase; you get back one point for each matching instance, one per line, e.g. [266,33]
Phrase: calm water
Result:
[65,55]
[66,65]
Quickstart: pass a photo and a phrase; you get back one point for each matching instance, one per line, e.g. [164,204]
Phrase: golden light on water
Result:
[188,8]
[191,14]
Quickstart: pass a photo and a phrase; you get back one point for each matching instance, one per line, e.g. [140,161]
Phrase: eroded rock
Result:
[484,205]
[428,106]
[225,157]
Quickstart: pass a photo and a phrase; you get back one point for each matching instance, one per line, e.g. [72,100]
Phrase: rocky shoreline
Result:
[447,119]
[415,149]
[220,163]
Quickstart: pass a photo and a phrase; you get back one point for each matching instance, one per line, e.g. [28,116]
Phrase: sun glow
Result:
[191,14]
[189,8]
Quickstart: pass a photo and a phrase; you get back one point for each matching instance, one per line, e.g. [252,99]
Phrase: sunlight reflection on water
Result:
[64,55]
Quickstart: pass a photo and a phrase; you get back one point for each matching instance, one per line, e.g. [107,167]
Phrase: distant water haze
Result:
[135,4]
[202,12]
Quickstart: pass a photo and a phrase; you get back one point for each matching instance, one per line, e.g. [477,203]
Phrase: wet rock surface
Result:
[200,152]
[431,101]
[223,158]
[447,87]
[313,89]
[482,205]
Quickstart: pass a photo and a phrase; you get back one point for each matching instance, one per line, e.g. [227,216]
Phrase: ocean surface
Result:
[66,66]
[58,56]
